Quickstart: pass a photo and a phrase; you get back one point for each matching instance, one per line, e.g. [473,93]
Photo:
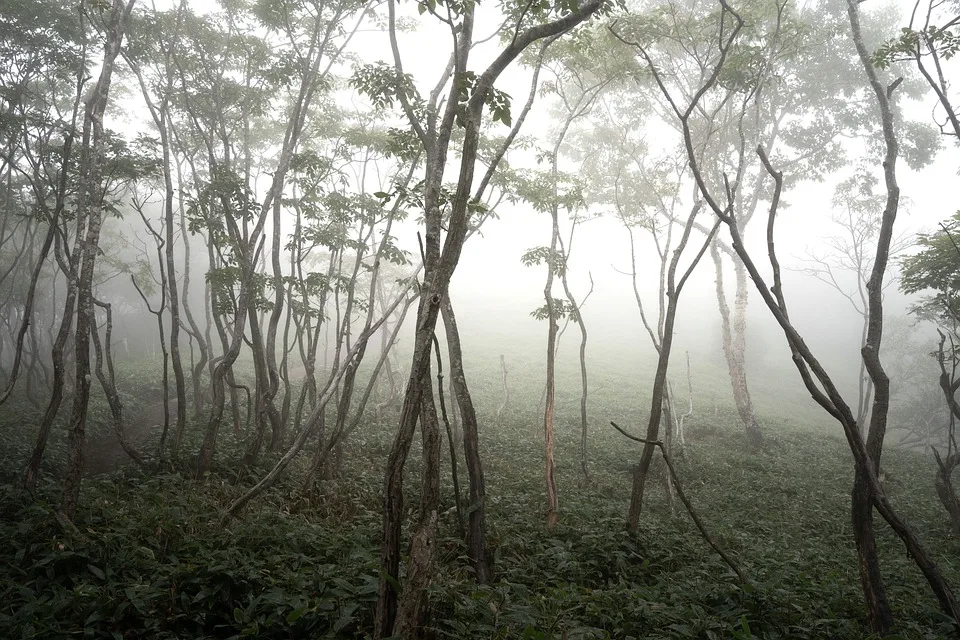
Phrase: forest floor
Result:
[103,453]
[150,558]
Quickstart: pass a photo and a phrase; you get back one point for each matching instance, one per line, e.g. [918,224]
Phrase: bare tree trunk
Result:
[476,519]
[171,269]
[412,605]
[506,391]
[386,611]
[553,506]
[32,470]
[91,168]
[733,339]
[583,360]
[944,486]
[672,293]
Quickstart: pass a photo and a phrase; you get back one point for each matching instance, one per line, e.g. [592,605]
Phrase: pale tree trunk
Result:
[734,341]
[550,400]
[584,388]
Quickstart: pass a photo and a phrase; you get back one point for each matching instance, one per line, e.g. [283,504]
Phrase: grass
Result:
[151,561]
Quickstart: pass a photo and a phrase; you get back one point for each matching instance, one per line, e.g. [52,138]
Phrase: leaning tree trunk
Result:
[672,294]
[440,261]
[32,470]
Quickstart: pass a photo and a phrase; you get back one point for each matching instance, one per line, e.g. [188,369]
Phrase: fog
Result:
[247,245]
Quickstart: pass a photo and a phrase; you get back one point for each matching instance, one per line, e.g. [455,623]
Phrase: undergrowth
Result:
[150,559]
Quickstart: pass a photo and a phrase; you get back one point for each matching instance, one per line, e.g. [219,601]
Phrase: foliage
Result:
[936,267]
[943,39]
[151,561]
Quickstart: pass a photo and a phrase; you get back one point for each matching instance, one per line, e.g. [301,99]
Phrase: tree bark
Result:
[553,260]
[477,519]
[412,605]
[734,341]
[89,188]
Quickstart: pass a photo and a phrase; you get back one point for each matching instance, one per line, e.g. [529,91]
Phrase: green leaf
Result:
[296,614]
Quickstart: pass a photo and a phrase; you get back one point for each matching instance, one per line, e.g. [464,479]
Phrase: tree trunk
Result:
[90,200]
[945,490]
[734,340]
[32,470]
[386,610]
[476,520]
[549,404]
[412,606]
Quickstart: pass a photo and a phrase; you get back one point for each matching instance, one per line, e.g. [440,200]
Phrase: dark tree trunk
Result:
[89,188]
[476,520]
[412,605]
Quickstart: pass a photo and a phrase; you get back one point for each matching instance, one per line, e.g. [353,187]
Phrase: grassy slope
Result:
[152,561]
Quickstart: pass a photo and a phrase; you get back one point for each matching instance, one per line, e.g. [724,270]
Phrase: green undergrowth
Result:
[150,558]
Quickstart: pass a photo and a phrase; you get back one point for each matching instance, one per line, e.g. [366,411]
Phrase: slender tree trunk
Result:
[32,470]
[171,269]
[412,605]
[653,425]
[734,338]
[89,199]
[878,607]
[550,400]
[584,389]
[672,290]
[476,520]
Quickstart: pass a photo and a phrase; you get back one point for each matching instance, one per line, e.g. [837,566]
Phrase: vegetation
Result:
[150,559]
[225,226]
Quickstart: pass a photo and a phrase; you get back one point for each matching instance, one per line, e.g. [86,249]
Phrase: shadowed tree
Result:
[720,195]
[468,93]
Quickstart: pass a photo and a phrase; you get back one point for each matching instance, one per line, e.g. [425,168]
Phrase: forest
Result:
[433,319]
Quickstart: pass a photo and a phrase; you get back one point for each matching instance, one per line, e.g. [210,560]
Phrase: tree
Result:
[930,41]
[90,219]
[720,196]
[852,254]
[467,95]
[936,268]
[577,91]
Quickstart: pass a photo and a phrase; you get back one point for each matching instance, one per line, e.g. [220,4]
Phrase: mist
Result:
[439,319]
